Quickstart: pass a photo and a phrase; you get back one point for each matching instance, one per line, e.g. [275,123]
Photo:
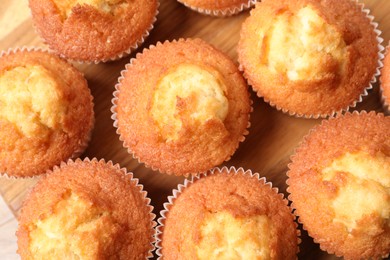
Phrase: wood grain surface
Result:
[273,135]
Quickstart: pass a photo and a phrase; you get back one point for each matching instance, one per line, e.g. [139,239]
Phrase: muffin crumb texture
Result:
[106,6]
[339,184]
[227,215]
[77,229]
[46,112]
[30,99]
[182,107]
[86,210]
[188,91]
[360,194]
[93,30]
[224,236]
[309,58]
[316,50]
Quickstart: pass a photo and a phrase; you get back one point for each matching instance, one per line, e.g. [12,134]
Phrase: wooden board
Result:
[273,135]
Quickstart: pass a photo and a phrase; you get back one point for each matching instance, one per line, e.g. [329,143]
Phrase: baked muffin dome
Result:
[93,30]
[46,112]
[307,57]
[385,80]
[181,107]
[218,7]
[86,210]
[339,182]
[227,214]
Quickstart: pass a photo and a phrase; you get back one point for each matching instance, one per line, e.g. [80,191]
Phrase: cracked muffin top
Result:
[86,210]
[339,184]
[46,112]
[228,214]
[182,107]
[308,57]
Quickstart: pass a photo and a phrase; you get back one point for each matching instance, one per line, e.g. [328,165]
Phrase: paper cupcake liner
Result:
[82,146]
[362,95]
[115,118]
[221,12]
[187,183]
[130,178]
[123,54]
[385,104]
[294,208]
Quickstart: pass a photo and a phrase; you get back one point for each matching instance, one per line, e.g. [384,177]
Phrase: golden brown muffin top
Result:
[339,181]
[385,77]
[217,5]
[182,107]
[86,210]
[93,30]
[46,112]
[309,57]
[229,215]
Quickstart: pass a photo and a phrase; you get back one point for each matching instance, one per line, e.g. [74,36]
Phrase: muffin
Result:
[220,7]
[181,107]
[227,214]
[310,58]
[93,30]
[46,112]
[385,81]
[339,183]
[86,210]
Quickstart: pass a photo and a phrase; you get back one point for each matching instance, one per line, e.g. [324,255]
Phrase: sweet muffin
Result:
[181,107]
[310,58]
[385,81]
[227,214]
[46,112]
[339,183]
[93,30]
[86,210]
[219,7]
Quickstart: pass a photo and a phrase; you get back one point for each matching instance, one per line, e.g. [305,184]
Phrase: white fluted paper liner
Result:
[384,99]
[221,12]
[123,54]
[130,178]
[294,208]
[362,95]
[187,183]
[84,144]
[114,117]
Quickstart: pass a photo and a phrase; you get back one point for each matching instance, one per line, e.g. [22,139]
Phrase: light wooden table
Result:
[273,135]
